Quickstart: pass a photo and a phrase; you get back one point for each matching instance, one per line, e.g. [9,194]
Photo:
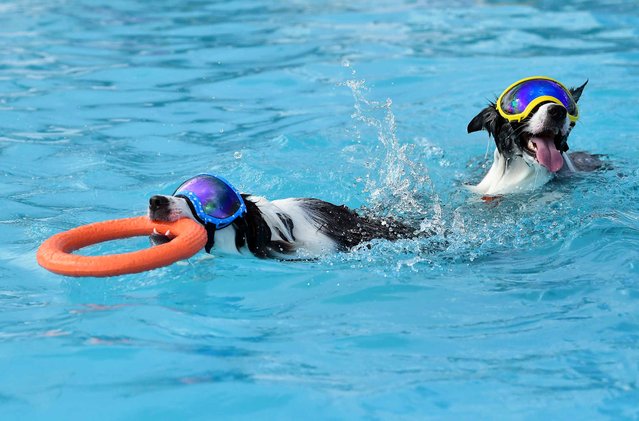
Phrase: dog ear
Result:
[485,120]
[576,92]
[257,231]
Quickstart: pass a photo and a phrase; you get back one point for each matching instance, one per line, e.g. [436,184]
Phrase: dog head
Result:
[205,198]
[540,138]
[171,208]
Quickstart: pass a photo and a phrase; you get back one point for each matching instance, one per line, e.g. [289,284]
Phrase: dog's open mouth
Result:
[541,146]
[157,238]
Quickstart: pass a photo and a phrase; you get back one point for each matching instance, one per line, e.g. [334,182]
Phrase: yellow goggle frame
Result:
[536,101]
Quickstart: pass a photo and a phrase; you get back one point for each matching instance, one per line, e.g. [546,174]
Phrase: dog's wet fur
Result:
[529,153]
[284,229]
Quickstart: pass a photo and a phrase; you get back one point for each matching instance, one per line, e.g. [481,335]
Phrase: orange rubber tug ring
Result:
[188,237]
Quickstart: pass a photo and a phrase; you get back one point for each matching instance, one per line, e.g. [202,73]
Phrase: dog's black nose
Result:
[557,112]
[156,202]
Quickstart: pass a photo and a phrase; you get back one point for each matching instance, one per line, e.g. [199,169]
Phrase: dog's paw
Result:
[586,162]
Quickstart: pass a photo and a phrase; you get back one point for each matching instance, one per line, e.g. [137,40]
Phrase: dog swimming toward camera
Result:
[530,123]
[294,228]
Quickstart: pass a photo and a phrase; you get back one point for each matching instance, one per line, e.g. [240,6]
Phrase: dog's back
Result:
[347,228]
[317,227]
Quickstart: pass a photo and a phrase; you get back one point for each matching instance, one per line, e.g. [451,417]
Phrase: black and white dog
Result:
[530,152]
[294,228]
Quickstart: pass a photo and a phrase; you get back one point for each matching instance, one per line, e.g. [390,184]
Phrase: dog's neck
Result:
[512,175]
[274,229]
[262,231]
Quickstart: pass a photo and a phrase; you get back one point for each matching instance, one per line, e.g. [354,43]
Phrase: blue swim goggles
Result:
[520,98]
[215,201]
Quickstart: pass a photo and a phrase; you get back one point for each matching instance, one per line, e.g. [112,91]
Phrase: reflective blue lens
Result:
[213,198]
[519,97]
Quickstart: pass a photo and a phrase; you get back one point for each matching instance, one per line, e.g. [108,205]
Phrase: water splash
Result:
[396,185]
[466,229]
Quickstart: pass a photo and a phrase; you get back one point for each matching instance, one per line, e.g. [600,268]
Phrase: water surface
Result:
[529,310]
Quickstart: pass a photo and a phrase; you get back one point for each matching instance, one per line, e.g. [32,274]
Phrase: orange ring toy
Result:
[188,237]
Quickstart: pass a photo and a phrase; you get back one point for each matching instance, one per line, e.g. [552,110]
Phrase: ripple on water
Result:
[521,306]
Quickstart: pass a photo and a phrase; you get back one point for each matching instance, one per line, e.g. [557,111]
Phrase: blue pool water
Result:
[529,310]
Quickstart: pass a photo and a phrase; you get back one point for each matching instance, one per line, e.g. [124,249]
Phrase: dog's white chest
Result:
[515,176]
[225,241]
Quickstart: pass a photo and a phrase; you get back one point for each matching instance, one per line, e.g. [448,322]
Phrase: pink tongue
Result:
[547,153]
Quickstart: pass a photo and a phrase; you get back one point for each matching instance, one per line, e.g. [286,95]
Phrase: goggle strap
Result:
[210,230]
[571,166]
[242,228]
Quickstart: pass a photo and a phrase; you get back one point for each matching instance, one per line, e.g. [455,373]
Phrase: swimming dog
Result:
[530,123]
[284,229]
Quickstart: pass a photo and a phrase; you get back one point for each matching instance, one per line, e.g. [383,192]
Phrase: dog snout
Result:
[557,112]
[158,202]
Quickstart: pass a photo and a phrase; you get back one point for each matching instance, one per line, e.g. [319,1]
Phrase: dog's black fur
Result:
[349,229]
[531,152]
[337,227]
